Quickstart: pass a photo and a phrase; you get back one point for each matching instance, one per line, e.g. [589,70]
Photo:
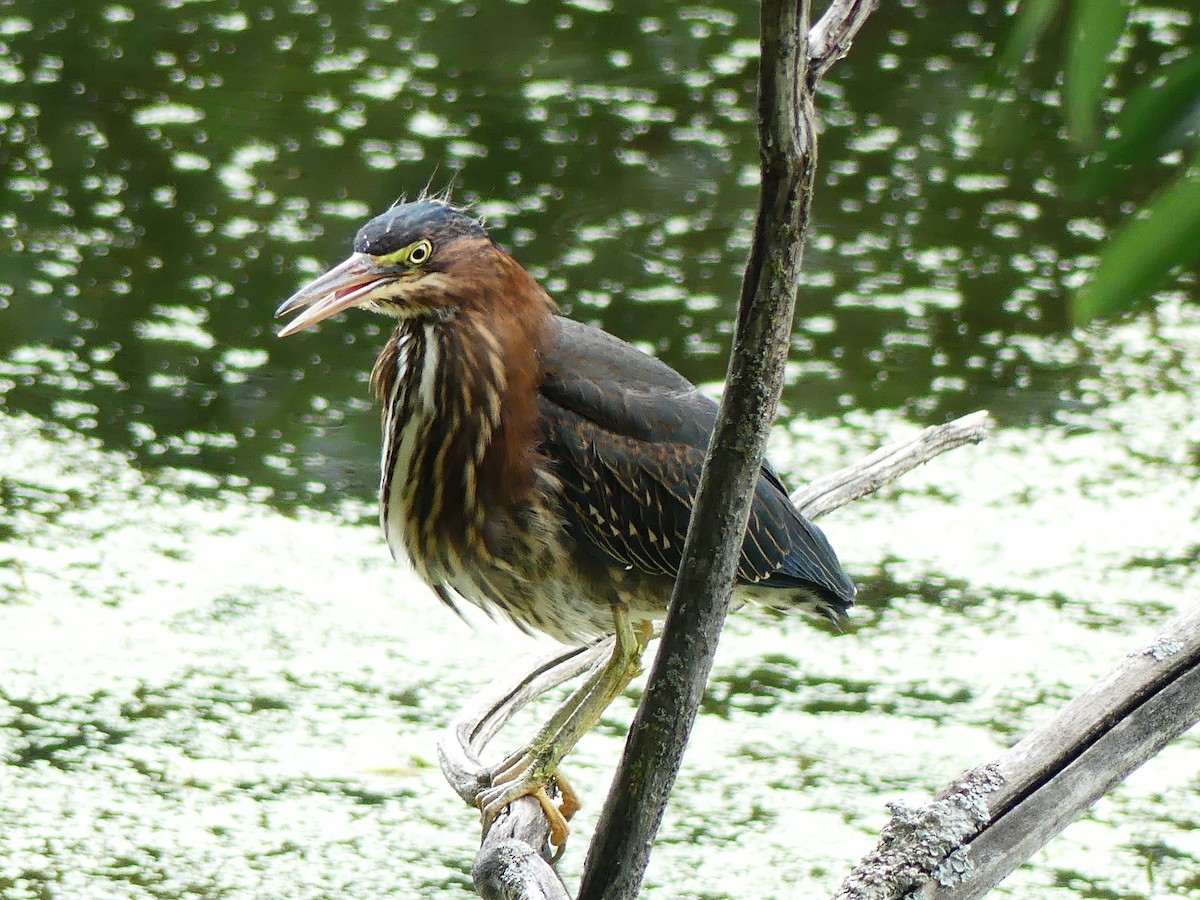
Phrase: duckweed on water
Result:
[204,696]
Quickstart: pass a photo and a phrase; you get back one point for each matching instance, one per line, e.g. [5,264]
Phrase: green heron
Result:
[541,468]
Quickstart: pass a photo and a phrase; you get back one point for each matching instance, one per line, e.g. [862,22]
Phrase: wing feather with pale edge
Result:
[629,434]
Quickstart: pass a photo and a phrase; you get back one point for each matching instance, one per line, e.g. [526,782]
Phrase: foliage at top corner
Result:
[1161,115]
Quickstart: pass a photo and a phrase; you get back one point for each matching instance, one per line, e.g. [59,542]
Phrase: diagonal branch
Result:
[787,136]
[888,463]
[699,602]
[964,842]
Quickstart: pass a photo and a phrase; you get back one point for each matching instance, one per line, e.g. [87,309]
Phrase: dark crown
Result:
[408,222]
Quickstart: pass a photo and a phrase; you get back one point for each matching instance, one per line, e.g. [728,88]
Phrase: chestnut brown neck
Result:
[459,388]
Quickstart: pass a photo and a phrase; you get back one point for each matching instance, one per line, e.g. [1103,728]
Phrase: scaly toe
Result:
[558,823]
[511,769]
[570,799]
[494,800]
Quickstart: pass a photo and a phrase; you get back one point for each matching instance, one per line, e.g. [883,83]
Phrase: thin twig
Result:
[888,463]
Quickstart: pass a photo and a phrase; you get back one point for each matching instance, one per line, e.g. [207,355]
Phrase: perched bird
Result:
[541,468]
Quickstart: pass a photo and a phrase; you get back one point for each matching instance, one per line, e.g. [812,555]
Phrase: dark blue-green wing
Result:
[628,435]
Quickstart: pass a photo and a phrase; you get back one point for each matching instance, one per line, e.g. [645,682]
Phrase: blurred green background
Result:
[172,170]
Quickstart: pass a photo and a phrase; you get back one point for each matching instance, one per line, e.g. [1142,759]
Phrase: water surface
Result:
[213,683]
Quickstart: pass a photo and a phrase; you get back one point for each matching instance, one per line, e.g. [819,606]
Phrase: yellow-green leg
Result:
[525,773]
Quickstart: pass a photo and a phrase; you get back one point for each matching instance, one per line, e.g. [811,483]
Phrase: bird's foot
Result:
[526,772]
[570,800]
[524,778]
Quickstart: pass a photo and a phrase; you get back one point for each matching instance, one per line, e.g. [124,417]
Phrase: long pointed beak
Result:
[340,288]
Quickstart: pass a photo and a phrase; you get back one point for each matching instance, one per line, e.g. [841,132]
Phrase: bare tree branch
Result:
[888,463]
[963,843]
[620,848]
[700,600]
[514,861]
[508,867]
[461,747]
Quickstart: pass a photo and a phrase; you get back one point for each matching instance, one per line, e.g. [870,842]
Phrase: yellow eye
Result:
[419,253]
[413,255]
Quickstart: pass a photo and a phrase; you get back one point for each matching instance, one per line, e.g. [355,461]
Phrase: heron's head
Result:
[417,260]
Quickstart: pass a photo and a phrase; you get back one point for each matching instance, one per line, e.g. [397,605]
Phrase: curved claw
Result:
[570,800]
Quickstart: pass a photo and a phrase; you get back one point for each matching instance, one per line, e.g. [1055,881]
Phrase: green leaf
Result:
[1093,32]
[1032,20]
[1145,249]
[1156,119]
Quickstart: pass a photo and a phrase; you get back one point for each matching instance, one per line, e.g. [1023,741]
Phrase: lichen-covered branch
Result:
[964,842]
[620,848]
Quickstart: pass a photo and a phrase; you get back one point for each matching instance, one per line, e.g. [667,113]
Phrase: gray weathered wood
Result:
[460,750]
[963,843]
[514,861]
[888,463]
[507,867]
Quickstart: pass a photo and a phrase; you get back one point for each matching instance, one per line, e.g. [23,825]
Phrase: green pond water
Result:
[213,681]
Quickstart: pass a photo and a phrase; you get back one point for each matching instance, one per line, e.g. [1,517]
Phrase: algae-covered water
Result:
[214,682]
